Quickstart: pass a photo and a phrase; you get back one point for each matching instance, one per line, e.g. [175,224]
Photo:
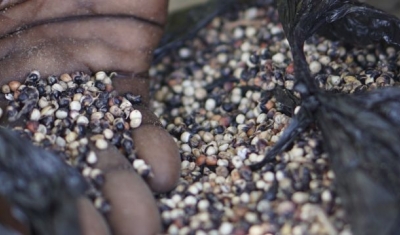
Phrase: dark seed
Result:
[52,80]
[134,99]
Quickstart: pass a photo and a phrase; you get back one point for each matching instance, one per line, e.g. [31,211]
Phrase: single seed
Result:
[82,120]
[108,133]
[138,163]
[57,87]
[75,105]
[5,89]
[14,85]
[61,113]
[71,136]
[91,158]
[96,116]
[100,76]
[135,118]
[35,115]
[116,111]
[65,77]
[125,104]
[101,144]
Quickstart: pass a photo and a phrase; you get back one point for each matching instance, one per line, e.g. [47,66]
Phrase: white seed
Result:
[185,137]
[57,87]
[240,119]
[71,136]
[60,142]
[5,89]
[75,105]
[74,114]
[91,158]
[84,141]
[47,111]
[86,172]
[61,114]
[35,115]
[107,80]
[82,120]
[71,84]
[100,76]
[116,111]
[108,133]
[43,102]
[101,144]
[138,163]
[125,104]
[210,104]
[38,137]
[73,145]
[42,129]
[9,97]
[96,116]
[136,118]
[278,58]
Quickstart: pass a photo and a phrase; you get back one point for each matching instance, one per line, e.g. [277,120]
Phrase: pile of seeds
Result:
[215,95]
[64,114]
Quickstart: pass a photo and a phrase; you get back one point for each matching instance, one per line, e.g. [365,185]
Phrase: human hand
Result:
[55,37]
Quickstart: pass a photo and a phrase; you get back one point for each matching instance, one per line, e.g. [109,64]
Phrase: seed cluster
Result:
[64,114]
[215,96]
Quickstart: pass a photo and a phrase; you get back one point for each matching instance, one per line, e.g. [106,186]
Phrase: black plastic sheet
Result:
[39,185]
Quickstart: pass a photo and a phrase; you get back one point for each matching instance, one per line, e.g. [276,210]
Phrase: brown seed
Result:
[32,126]
[211,160]
[200,160]
[65,77]
[14,85]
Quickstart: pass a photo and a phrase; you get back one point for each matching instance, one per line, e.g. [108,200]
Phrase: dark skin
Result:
[59,36]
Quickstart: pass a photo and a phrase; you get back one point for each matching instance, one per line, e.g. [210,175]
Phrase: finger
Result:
[133,208]
[68,46]
[157,148]
[92,223]
[8,3]
[41,11]
[152,143]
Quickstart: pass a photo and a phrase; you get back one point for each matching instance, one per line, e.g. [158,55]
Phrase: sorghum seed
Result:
[100,76]
[52,80]
[138,163]
[14,85]
[96,116]
[135,118]
[5,89]
[108,133]
[82,120]
[57,87]
[61,113]
[91,158]
[101,144]
[119,124]
[75,105]
[65,77]
[71,136]
[35,115]
[125,104]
